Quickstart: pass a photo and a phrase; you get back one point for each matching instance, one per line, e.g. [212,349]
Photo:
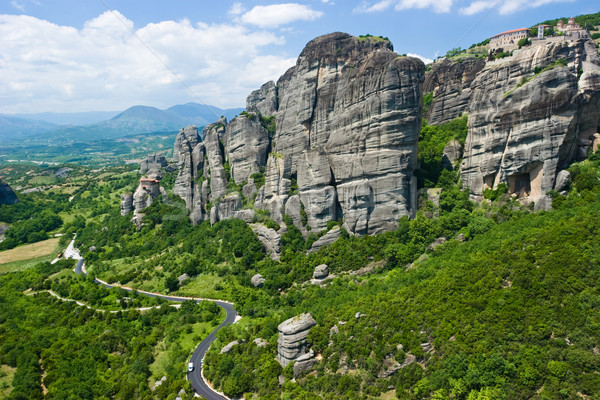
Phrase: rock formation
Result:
[347,121]
[352,106]
[530,117]
[188,154]
[264,100]
[257,281]
[246,144]
[291,344]
[450,84]
[326,239]
[154,161]
[126,203]
[148,190]
[270,239]
[321,271]
[7,195]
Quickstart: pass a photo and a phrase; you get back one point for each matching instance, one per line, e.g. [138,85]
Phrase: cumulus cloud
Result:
[506,6]
[237,9]
[477,6]
[107,64]
[424,59]
[438,6]
[366,7]
[279,14]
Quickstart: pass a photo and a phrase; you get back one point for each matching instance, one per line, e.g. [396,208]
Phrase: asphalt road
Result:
[195,377]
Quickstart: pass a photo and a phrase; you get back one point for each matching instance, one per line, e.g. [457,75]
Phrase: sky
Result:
[108,55]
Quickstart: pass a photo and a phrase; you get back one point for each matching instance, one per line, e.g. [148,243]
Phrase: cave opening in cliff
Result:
[527,184]
[519,184]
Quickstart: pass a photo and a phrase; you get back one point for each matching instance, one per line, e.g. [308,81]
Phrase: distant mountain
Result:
[77,118]
[134,120]
[13,127]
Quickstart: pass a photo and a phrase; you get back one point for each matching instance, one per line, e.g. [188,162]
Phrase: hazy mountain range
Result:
[106,124]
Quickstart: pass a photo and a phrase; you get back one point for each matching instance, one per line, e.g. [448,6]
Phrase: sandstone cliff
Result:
[7,195]
[449,82]
[530,116]
[347,120]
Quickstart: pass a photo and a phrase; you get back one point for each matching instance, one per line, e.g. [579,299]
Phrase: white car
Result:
[190,367]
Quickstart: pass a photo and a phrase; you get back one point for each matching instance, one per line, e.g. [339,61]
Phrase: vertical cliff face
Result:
[449,82]
[347,120]
[188,154]
[246,143]
[349,117]
[530,117]
[7,195]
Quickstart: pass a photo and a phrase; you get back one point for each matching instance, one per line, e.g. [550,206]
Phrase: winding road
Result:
[195,377]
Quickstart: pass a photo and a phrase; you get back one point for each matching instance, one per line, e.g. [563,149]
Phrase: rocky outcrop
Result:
[257,281]
[450,84]
[148,190]
[246,144]
[530,117]
[321,271]
[227,348]
[7,195]
[291,344]
[154,161]
[188,154]
[355,104]
[326,239]
[264,100]
[452,152]
[304,363]
[126,203]
[270,239]
[317,191]
[275,192]
[347,119]
[214,157]
[225,208]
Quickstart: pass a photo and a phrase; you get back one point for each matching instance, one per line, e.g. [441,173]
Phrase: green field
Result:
[23,257]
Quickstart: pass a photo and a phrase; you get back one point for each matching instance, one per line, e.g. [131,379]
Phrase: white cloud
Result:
[104,66]
[18,6]
[330,2]
[438,6]
[477,6]
[236,9]
[424,59]
[279,14]
[379,6]
[506,6]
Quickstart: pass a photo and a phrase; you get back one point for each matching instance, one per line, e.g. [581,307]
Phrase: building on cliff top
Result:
[569,27]
[508,40]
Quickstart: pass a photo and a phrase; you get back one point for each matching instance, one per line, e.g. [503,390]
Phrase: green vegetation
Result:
[587,20]
[523,42]
[511,313]
[92,152]
[76,352]
[370,37]
[427,100]
[268,123]
[432,141]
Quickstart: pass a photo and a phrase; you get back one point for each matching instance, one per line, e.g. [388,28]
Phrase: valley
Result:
[385,229]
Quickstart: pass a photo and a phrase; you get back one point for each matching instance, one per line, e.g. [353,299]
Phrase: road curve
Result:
[195,377]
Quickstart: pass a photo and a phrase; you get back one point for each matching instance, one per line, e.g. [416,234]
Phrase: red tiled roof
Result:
[513,31]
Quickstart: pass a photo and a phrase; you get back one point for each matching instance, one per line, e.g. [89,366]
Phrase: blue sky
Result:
[92,55]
